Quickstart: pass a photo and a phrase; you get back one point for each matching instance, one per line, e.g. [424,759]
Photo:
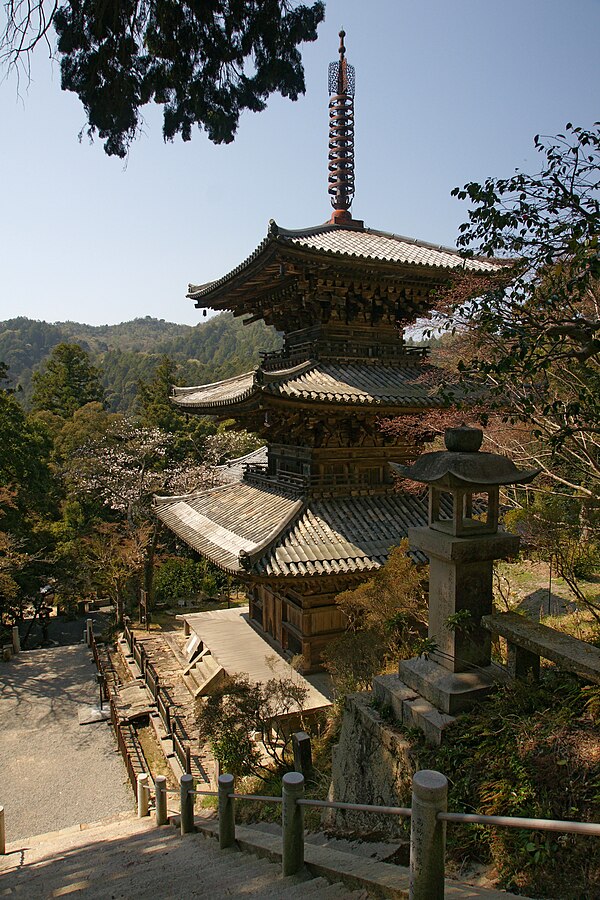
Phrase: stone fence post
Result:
[16,639]
[226,812]
[302,753]
[428,836]
[143,798]
[186,784]
[160,791]
[292,821]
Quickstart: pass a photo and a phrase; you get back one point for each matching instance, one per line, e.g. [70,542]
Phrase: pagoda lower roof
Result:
[397,386]
[335,245]
[265,533]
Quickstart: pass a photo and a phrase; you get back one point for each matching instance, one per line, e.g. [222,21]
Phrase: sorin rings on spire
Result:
[341,130]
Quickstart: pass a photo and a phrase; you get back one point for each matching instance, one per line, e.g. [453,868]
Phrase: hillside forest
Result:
[89,435]
[128,353]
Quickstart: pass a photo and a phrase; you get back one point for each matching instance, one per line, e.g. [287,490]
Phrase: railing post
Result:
[226,812]
[89,627]
[2,832]
[428,835]
[186,784]
[142,795]
[292,821]
[302,753]
[160,793]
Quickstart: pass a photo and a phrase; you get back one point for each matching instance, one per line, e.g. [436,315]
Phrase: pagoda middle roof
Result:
[332,243]
[399,385]
[262,531]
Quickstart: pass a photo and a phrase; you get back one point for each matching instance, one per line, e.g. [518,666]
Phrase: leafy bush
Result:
[532,749]
[353,660]
[229,717]
[386,616]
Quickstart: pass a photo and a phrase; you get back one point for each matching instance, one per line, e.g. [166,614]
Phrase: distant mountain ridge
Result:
[129,352]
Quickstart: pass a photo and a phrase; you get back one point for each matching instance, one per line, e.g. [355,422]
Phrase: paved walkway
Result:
[75,772]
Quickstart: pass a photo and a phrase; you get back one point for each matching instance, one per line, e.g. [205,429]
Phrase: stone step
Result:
[202,674]
[410,708]
[356,871]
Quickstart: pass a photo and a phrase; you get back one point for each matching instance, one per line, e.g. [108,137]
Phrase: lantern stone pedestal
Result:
[458,671]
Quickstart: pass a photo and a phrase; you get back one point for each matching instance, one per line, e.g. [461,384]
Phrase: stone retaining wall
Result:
[372,764]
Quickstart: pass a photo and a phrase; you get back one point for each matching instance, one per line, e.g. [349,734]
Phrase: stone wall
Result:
[371,764]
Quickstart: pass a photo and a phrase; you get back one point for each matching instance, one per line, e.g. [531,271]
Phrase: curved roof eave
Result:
[278,237]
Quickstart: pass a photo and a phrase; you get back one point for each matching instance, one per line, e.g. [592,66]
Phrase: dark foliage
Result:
[68,382]
[204,63]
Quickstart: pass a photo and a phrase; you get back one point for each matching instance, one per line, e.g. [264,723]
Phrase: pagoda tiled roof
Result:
[340,242]
[229,523]
[260,531]
[400,385]
[220,393]
[368,243]
[233,469]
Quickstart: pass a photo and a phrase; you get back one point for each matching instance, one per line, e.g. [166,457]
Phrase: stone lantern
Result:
[461,548]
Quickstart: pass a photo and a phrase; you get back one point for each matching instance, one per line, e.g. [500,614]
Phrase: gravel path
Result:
[75,771]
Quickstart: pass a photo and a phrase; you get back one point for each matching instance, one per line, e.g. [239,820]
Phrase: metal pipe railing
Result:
[359,807]
[562,825]
[428,814]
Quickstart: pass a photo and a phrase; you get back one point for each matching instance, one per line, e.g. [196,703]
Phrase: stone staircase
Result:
[203,674]
[131,858]
[128,858]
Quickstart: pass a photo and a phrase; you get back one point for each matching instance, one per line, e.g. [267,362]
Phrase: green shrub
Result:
[178,579]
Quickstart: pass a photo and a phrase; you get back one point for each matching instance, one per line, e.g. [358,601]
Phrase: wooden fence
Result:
[127,739]
[182,751]
[164,710]
[173,724]
[151,678]
[139,654]
[128,745]
[129,635]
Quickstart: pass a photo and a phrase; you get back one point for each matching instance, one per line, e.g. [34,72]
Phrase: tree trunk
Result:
[149,566]
[119,609]
[588,519]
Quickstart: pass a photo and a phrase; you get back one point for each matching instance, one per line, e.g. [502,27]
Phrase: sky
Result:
[446,93]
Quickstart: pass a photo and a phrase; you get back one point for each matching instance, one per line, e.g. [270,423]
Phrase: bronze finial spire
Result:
[341,135]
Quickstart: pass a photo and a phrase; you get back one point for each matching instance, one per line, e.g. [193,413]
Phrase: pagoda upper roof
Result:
[369,251]
[261,531]
[401,385]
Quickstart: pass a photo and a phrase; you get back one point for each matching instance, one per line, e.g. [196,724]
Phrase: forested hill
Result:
[126,353]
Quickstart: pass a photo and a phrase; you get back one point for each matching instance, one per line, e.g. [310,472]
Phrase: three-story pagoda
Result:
[321,514]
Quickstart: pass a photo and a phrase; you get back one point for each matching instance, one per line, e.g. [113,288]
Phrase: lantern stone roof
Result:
[463,464]
[364,250]
[447,469]
[264,532]
[404,385]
